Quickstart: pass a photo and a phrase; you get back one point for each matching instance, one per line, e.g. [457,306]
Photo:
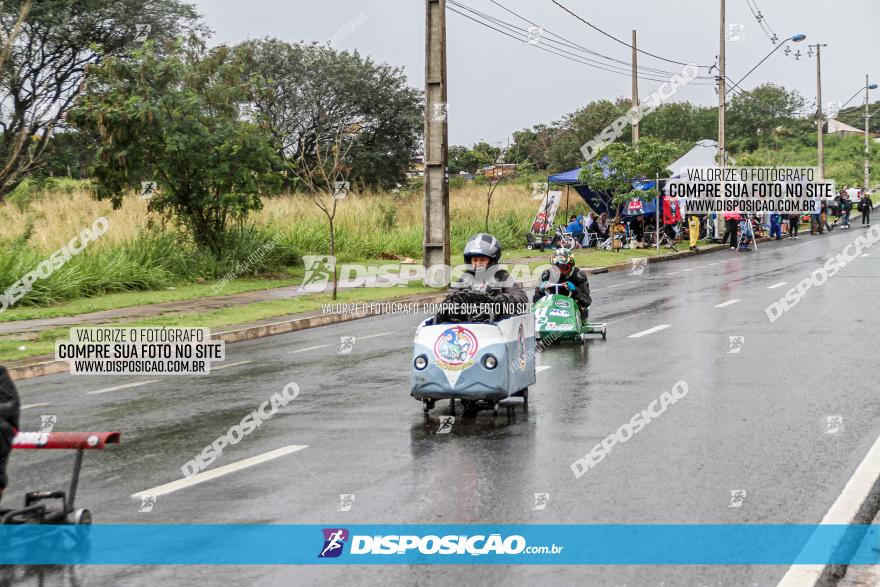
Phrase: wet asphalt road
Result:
[753,421]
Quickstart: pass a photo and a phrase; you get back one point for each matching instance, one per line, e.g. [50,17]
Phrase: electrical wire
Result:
[610,36]
[513,32]
[582,48]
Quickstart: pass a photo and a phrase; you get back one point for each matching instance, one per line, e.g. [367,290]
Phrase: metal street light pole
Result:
[722,90]
[868,86]
[796,38]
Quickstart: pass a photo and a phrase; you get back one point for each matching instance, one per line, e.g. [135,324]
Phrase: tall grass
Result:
[140,252]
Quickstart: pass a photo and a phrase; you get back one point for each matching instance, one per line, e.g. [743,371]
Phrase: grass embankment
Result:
[44,342]
[140,252]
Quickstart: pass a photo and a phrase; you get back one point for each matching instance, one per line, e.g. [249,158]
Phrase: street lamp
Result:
[795,38]
[868,86]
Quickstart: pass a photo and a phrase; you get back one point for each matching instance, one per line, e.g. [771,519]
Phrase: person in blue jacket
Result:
[576,227]
[776,226]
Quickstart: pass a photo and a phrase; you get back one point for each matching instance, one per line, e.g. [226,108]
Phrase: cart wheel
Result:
[525,396]
[495,408]
[81,517]
[583,339]
[452,407]
[604,334]
[530,247]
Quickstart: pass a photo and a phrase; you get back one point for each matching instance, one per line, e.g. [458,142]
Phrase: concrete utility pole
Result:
[867,143]
[722,103]
[820,119]
[436,241]
[722,90]
[635,88]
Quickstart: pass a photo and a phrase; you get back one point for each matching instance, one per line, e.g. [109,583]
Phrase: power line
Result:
[565,44]
[575,45]
[768,30]
[610,36]
[555,51]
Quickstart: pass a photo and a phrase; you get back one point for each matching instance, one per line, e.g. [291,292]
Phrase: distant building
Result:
[835,127]
[416,167]
[498,170]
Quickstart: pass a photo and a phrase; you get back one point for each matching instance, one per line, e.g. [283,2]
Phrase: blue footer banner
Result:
[645,544]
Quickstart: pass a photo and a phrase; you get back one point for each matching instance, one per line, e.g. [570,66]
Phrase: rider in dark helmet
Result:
[576,281]
[486,282]
[10,411]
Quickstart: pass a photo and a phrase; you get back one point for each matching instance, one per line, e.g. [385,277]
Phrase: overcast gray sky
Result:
[498,85]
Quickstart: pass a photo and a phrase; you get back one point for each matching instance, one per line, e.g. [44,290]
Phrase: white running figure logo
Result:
[334,544]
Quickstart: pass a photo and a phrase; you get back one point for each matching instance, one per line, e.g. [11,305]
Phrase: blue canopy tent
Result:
[600,201]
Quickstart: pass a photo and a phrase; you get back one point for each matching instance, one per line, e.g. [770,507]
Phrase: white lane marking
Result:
[118,387]
[672,273]
[775,285]
[865,255]
[616,285]
[218,367]
[686,270]
[711,264]
[219,471]
[541,368]
[842,512]
[374,335]
[649,331]
[727,303]
[29,406]
[311,348]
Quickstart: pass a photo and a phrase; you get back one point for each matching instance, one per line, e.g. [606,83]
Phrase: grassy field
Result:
[140,252]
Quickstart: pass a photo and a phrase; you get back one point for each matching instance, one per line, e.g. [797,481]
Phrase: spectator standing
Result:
[794,225]
[846,209]
[731,222]
[865,206]
[776,226]
[693,231]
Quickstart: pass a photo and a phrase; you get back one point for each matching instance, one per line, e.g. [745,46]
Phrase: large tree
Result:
[620,164]
[753,116]
[43,70]
[176,117]
[317,94]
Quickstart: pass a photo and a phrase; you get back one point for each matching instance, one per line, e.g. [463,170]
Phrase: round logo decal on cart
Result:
[455,348]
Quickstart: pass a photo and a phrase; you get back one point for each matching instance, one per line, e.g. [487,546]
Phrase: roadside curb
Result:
[315,319]
[49,366]
[657,259]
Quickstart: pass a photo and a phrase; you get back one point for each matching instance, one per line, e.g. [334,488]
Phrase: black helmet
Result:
[483,245]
